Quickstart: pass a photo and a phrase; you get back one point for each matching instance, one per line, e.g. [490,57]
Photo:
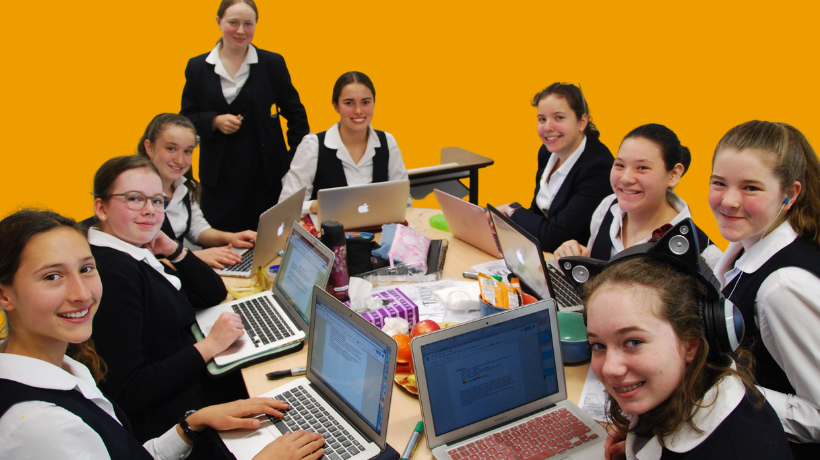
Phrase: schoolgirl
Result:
[765,196]
[573,166]
[650,163]
[169,142]
[351,152]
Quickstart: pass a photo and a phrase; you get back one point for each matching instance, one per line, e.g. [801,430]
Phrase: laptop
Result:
[468,223]
[364,206]
[495,385]
[279,317]
[348,384]
[273,231]
[524,258]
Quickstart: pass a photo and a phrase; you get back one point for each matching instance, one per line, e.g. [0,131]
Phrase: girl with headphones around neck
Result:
[573,166]
[169,142]
[650,163]
[351,152]
[50,406]
[669,395]
[765,194]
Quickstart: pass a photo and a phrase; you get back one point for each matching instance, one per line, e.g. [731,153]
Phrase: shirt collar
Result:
[565,168]
[756,256]
[40,374]
[674,200]
[180,190]
[105,240]
[251,57]
[718,404]
[333,140]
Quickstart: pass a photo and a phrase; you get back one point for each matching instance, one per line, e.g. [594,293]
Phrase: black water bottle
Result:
[333,236]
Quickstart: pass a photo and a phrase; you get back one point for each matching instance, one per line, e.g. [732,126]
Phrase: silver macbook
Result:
[273,231]
[495,387]
[364,206]
[524,258]
[468,222]
[346,393]
[281,316]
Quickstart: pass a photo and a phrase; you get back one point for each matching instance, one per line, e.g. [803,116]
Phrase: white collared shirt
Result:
[177,214]
[787,313]
[303,167]
[37,429]
[711,253]
[727,394]
[102,239]
[550,185]
[231,86]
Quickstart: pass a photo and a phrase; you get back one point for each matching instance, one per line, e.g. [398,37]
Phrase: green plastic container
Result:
[438,222]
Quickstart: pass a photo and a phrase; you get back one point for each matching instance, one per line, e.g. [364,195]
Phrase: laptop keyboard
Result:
[539,438]
[562,290]
[244,265]
[305,413]
[262,321]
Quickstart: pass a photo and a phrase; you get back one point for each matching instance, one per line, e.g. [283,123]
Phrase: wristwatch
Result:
[513,207]
[192,434]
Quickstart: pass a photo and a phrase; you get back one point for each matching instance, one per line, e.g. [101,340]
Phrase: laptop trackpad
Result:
[245,444]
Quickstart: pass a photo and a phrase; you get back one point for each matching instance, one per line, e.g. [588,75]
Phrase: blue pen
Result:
[414,442]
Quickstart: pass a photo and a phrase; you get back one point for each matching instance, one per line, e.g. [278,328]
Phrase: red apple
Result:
[423,327]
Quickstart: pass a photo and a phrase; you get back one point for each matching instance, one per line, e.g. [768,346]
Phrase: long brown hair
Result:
[678,293]
[790,156]
[154,130]
[16,230]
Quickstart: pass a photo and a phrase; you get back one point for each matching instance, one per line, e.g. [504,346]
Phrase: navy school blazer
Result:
[202,100]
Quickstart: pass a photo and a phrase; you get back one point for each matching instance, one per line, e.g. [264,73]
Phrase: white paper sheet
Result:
[593,398]
[494,267]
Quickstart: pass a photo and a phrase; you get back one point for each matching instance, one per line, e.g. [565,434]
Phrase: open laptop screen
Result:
[352,362]
[488,371]
[521,255]
[303,266]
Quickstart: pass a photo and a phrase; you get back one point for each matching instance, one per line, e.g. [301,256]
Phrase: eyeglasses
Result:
[136,201]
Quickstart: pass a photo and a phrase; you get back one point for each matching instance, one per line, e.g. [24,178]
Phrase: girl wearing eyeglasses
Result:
[169,142]
[156,367]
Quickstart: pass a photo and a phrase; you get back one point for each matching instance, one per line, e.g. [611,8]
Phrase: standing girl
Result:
[573,167]
[765,194]
[234,95]
[364,155]
[169,143]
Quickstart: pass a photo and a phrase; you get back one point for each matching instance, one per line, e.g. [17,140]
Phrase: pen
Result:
[470,275]
[288,373]
[414,442]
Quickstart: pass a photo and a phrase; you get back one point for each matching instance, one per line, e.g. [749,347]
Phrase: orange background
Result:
[83,79]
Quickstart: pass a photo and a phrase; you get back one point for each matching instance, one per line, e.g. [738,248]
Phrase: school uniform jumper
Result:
[609,217]
[776,286]
[143,333]
[321,157]
[569,213]
[241,173]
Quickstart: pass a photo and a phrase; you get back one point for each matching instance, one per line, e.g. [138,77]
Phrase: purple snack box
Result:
[399,306]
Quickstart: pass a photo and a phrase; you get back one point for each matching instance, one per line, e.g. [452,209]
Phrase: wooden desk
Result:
[456,163]
[405,411]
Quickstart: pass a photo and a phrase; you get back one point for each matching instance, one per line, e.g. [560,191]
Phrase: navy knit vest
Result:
[117,439]
[330,172]
[801,254]
[602,246]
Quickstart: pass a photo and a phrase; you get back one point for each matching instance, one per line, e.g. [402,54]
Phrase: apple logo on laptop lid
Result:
[363,209]
[281,229]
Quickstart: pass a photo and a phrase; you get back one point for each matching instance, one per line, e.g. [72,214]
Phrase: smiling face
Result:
[116,218]
[54,295]
[355,105]
[558,127]
[639,177]
[172,152]
[745,196]
[238,25]
[636,355]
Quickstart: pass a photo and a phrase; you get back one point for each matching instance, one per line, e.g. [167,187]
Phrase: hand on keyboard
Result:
[219,257]
[227,328]
[294,446]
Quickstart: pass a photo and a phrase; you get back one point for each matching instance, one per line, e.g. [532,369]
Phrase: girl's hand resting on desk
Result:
[294,446]
[244,239]
[571,248]
[219,257]
[227,328]
[228,123]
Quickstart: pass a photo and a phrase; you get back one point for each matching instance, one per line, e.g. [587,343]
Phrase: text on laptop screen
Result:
[352,363]
[302,266]
[490,370]
[523,257]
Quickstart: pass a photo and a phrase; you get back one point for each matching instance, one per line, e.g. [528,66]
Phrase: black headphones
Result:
[678,247]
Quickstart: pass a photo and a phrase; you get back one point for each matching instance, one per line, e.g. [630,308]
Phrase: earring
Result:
[102,218]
